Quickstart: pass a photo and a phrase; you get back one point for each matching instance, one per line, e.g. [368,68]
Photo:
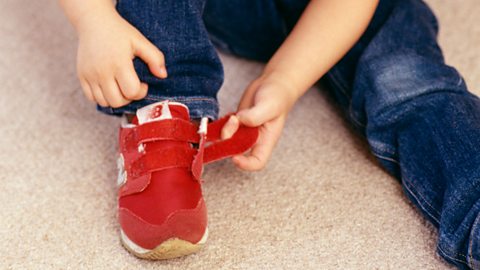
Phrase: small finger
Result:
[87,91]
[98,95]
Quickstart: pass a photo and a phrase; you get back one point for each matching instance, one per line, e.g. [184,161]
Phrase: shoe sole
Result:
[171,248]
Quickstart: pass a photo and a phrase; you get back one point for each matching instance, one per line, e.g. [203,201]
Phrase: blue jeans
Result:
[415,111]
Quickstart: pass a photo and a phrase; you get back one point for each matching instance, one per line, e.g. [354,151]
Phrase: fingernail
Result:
[231,120]
[226,132]
[163,72]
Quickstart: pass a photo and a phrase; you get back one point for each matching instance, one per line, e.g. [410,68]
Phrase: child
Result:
[381,59]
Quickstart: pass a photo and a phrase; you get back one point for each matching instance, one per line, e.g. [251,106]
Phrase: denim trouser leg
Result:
[415,111]
[195,73]
[253,29]
[249,28]
[420,121]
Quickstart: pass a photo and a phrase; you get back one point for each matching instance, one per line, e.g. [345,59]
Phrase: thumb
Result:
[258,114]
[151,55]
[230,127]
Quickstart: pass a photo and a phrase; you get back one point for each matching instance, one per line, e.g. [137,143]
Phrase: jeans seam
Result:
[420,198]
[181,99]
[383,149]
[385,158]
[184,98]
[342,88]
[473,261]
[353,117]
[409,189]
[405,179]
[455,254]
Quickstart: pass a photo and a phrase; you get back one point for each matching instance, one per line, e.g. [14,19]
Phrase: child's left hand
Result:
[294,68]
[264,104]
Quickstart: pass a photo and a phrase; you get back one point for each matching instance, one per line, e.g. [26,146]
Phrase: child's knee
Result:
[393,80]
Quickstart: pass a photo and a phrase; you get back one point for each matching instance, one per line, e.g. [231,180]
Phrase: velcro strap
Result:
[214,129]
[241,141]
[172,157]
[197,164]
[173,129]
[183,156]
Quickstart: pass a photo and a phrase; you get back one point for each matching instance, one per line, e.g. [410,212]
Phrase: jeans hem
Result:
[458,259]
[468,260]
[199,106]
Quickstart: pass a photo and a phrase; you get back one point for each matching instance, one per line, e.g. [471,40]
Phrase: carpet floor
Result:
[322,203]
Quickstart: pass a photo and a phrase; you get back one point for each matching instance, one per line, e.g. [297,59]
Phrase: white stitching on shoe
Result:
[122,174]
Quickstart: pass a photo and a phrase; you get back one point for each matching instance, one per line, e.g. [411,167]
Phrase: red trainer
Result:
[161,209]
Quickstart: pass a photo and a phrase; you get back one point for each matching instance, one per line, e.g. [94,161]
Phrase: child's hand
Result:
[265,103]
[301,62]
[107,46]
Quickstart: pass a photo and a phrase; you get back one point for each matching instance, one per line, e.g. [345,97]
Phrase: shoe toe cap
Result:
[185,224]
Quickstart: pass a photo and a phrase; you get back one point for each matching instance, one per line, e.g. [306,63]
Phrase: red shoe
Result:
[161,209]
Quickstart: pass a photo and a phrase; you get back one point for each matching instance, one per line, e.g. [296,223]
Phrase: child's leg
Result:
[195,73]
[419,118]
[420,121]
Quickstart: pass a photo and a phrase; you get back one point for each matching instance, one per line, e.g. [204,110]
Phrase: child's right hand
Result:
[107,46]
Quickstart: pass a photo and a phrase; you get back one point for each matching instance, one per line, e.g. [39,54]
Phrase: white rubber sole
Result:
[172,248]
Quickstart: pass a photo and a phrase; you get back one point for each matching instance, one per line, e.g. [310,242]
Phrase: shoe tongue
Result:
[161,111]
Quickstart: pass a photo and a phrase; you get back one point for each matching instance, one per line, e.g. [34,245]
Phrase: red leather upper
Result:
[162,196]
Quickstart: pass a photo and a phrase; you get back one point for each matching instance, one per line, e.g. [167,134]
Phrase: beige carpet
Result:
[322,203]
